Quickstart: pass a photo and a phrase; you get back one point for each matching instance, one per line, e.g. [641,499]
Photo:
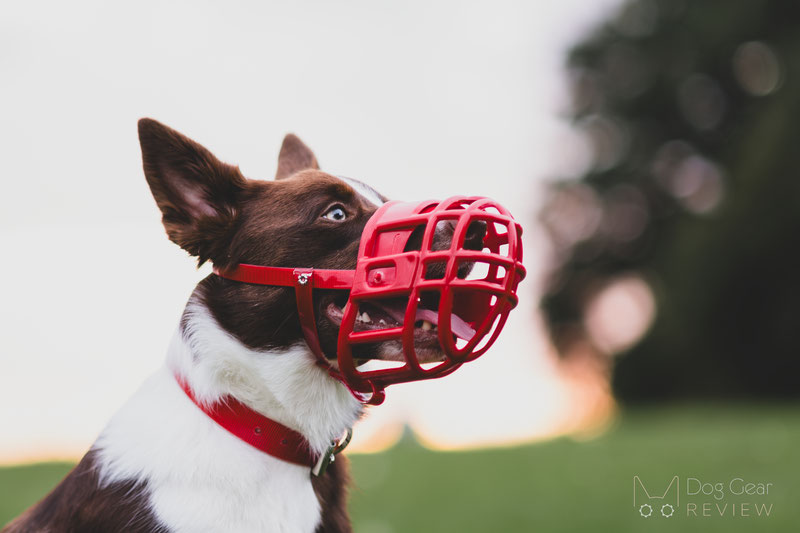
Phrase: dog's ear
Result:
[197,193]
[294,157]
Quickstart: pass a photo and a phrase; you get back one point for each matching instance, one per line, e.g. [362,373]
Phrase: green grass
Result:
[561,485]
[20,486]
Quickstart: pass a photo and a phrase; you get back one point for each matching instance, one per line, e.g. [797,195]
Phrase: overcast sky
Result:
[420,99]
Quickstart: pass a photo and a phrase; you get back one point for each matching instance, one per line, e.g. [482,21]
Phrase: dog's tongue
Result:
[459,328]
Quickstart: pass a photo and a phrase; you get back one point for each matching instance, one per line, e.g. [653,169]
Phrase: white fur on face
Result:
[202,478]
[366,192]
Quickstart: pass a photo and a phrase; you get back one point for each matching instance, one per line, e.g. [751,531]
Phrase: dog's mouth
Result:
[390,313]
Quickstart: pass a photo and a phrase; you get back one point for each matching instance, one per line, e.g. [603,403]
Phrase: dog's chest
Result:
[279,502]
[198,477]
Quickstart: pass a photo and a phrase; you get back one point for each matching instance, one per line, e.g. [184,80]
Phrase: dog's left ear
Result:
[196,192]
[294,157]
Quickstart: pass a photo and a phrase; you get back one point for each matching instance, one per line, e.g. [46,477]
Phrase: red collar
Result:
[256,429]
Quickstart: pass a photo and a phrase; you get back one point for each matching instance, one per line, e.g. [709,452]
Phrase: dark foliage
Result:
[692,110]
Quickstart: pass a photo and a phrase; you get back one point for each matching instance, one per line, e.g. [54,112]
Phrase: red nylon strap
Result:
[256,429]
[304,280]
[303,283]
[285,277]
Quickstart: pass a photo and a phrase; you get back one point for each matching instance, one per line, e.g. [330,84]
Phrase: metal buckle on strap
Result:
[329,455]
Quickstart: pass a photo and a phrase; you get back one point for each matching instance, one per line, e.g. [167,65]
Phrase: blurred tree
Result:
[691,201]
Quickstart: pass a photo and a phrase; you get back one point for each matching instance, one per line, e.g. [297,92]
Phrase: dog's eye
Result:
[335,213]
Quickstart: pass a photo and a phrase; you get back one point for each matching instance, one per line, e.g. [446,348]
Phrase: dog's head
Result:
[304,218]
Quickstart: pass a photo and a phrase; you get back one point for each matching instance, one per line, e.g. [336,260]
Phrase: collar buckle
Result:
[329,455]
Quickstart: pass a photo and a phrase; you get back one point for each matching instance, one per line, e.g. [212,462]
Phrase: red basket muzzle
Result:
[436,281]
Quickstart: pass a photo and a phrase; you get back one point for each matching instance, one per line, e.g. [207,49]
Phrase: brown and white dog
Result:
[161,464]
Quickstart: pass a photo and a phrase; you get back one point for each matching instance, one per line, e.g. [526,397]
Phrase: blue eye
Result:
[335,213]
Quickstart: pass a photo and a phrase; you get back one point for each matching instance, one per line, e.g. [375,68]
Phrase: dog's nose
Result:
[443,239]
[443,236]
[473,240]
[476,232]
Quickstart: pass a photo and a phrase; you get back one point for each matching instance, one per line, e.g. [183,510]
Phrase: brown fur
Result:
[278,223]
[79,505]
[178,169]
[331,491]
[275,223]
[210,210]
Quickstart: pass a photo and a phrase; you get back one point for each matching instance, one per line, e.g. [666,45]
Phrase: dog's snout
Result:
[443,240]
[476,232]
[443,236]
[414,242]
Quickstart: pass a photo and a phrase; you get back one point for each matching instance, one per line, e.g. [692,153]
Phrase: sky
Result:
[419,99]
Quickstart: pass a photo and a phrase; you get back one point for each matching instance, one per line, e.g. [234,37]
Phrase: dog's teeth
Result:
[365,317]
[382,322]
[426,325]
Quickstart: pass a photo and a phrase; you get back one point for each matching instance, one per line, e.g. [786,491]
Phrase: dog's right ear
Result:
[197,193]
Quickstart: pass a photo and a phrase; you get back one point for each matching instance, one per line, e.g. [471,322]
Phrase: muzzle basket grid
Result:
[388,269]
[456,262]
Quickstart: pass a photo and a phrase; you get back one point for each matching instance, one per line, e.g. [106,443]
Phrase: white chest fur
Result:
[200,477]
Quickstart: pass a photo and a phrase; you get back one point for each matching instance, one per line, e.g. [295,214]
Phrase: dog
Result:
[238,431]
[161,464]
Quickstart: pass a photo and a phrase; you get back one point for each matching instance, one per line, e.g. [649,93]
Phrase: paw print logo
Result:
[645,510]
[667,510]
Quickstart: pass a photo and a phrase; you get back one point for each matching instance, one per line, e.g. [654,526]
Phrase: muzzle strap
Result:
[304,281]
[288,277]
[303,289]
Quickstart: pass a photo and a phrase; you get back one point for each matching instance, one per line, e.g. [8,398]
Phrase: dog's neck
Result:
[196,475]
[285,385]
